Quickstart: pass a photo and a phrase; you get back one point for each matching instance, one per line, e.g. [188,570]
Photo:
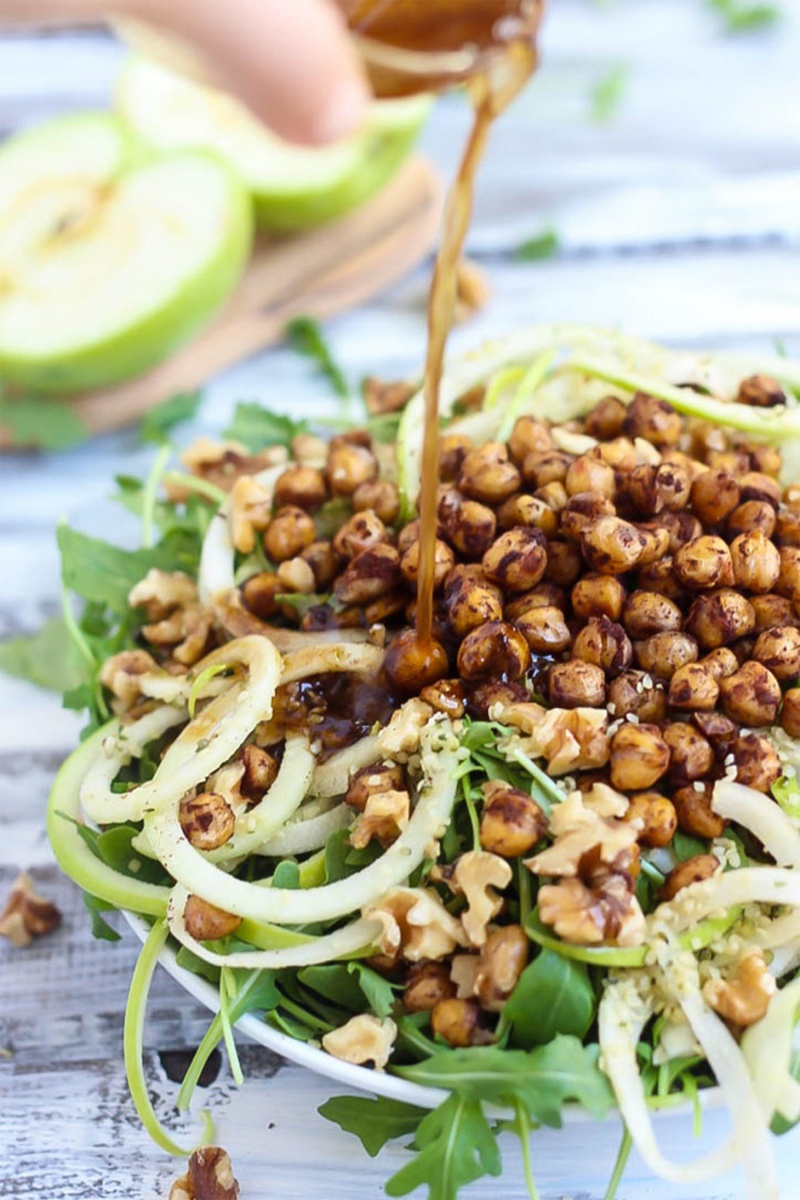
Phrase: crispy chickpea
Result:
[453,449]
[517,560]
[348,466]
[660,577]
[529,511]
[690,754]
[606,419]
[207,820]
[512,822]
[755,485]
[483,695]
[756,760]
[621,454]
[583,510]
[540,469]
[206,923]
[288,533]
[487,474]
[656,816]
[371,781]
[576,684]
[734,461]
[752,695]
[544,595]
[410,666]
[554,495]
[682,527]
[663,654]
[720,618]
[323,562]
[470,600]
[371,574]
[529,436]
[790,713]
[720,731]
[564,563]
[721,662]
[469,526]
[659,488]
[295,575]
[588,473]
[787,528]
[636,693]
[360,532]
[300,487]
[444,560]
[656,543]
[704,563]
[493,650]
[715,494]
[788,582]
[381,497]
[693,870]
[544,629]
[259,592]
[260,771]
[446,696]
[762,391]
[766,460]
[778,650]
[604,643]
[693,687]
[639,757]
[502,960]
[612,546]
[427,984]
[458,1022]
[756,561]
[598,596]
[751,515]
[647,613]
[652,419]
[695,814]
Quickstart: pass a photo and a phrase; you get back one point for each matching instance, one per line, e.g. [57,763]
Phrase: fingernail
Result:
[344,112]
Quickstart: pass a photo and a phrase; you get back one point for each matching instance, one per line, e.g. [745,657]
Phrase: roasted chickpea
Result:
[300,487]
[260,771]
[529,436]
[693,687]
[371,781]
[207,923]
[564,563]
[752,695]
[540,469]
[751,515]
[554,495]
[695,814]
[788,582]
[721,662]
[621,454]
[529,511]
[715,494]
[639,757]
[501,961]
[656,543]
[361,532]
[787,528]
[612,546]
[288,533]
[583,510]
[719,730]
[790,713]
[778,650]
[604,643]
[756,760]
[659,488]
[410,665]
[576,684]
[485,694]
[588,473]
[663,653]
[487,474]
[427,984]
[755,485]
[656,816]
[517,560]
[323,562]
[704,563]
[598,596]
[682,527]
[756,561]
[606,419]
[766,460]
[348,466]
[512,822]
[690,754]
[660,577]
[453,449]
[762,391]
[443,563]
[720,618]
[544,629]
[647,613]
[458,1022]
[652,419]
[493,650]
[447,696]
[636,693]
[544,595]
[379,496]
[207,820]
[693,870]
[295,575]
[371,574]
[469,526]
[470,600]
[259,592]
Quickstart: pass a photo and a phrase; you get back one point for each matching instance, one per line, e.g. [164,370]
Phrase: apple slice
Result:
[109,258]
[293,187]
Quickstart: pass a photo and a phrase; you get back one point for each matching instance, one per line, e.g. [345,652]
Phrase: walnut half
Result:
[210,1177]
[27,914]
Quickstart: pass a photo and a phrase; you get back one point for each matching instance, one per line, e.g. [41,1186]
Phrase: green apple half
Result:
[293,187]
[108,259]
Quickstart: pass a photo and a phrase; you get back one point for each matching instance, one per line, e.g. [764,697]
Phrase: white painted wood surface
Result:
[679,219]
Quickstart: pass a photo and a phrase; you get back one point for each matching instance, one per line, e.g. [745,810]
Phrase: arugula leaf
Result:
[287,875]
[43,424]
[374,1122]
[379,992]
[257,427]
[115,849]
[608,92]
[100,928]
[687,846]
[157,424]
[740,16]
[46,658]
[535,249]
[553,995]
[456,1146]
[99,571]
[305,336]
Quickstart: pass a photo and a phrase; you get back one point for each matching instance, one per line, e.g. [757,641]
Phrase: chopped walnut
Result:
[475,875]
[472,290]
[744,997]
[122,674]
[27,915]
[250,511]
[222,463]
[186,631]
[577,831]
[381,396]
[180,1189]
[463,972]
[363,1039]
[401,736]
[571,739]
[605,801]
[384,818]
[587,916]
[161,592]
[310,451]
[227,782]
[209,1177]
[415,925]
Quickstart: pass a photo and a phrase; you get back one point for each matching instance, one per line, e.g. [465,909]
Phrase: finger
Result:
[291,61]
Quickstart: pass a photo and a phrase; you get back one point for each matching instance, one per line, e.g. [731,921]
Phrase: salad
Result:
[563,867]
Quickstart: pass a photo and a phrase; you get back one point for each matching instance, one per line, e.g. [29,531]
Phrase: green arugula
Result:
[305,336]
[741,16]
[46,658]
[158,423]
[256,427]
[100,927]
[373,1121]
[553,995]
[786,791]
[43,424]
[455,1145]
[540,247]
[608,93]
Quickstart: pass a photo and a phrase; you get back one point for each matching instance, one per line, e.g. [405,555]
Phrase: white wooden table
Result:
[680,219]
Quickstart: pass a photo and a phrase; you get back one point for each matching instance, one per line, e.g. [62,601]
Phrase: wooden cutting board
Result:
[319,274]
